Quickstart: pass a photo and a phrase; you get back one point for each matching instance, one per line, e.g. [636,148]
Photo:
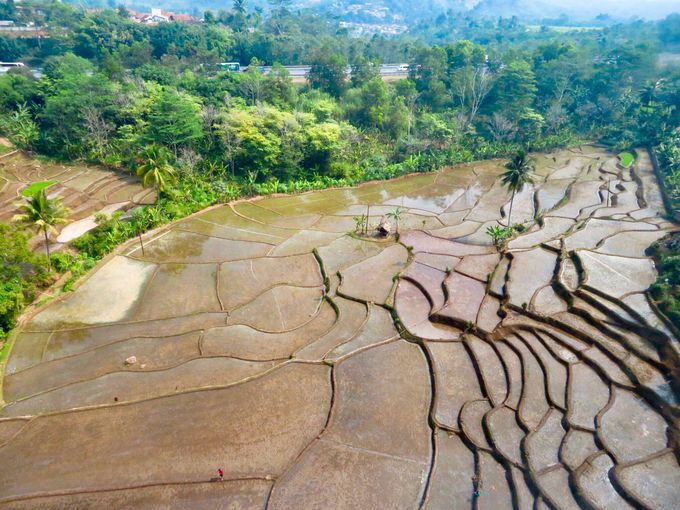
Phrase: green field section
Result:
[36,187]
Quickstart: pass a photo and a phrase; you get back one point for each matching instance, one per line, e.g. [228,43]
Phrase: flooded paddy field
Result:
[319,369]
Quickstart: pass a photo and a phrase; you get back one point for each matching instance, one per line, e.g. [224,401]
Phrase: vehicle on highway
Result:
[11,64]
[230,66]
[403,68]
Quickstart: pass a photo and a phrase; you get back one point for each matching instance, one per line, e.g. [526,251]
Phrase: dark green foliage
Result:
[669,160]
[669,29]
[10,49]
[666,290]
[328,72]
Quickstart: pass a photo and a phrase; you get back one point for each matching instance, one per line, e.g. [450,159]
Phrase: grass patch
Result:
[4,350]
[626,158]
[36,187]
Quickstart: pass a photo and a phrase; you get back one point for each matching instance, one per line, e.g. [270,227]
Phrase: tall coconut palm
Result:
[44,214]
[241,7]
[518,174]
[155,168]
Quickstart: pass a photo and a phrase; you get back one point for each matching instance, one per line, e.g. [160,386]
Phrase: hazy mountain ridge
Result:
[528,10]
[408,11]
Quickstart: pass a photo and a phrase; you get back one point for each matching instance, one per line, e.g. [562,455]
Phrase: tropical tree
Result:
[515,88]
[155,168]
[44,214]
[396,216]
[240,7]
[174,119]
[23,131]
[328,72]
[518,174]
[650,92]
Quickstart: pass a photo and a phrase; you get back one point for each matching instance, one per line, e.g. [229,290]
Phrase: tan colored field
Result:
[319,369]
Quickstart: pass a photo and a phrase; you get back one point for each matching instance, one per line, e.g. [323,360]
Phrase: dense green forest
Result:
[113,90]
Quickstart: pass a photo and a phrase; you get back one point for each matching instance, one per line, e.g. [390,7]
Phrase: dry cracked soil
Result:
[320,369]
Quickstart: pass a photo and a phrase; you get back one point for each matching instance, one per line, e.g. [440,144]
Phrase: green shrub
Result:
[626,159]
[666,291]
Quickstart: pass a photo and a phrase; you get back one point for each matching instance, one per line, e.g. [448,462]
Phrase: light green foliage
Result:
[36,187]
[626,158]
[396,216]
[500,235]
[22,131]
[359,222]
[155,168]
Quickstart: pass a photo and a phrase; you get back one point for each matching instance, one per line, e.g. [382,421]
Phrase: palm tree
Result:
[518,174]
[240,7]
[155,168]
[44,214]
[396,216]
[649,93]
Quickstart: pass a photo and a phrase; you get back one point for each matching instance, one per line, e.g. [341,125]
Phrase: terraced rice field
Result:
[85,190]
[321,370]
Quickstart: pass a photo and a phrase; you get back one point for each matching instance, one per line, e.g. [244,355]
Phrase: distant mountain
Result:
[411,11]
[530,10]
[580,10]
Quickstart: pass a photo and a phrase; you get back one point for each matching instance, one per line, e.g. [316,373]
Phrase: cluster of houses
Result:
[158,16]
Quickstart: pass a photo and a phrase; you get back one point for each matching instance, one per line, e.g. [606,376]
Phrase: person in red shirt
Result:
[220,472]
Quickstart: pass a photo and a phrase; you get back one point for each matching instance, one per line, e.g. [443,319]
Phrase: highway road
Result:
[298,73]
[396,70]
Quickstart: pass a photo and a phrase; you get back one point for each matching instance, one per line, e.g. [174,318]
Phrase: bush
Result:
[21,274]
[12,300]
[666,291]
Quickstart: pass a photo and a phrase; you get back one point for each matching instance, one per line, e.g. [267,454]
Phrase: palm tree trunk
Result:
[141,243]
[47,249]
[368,216]
[512,199]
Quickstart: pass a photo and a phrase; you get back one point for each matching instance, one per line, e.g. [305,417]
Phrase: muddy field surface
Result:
[318,369]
